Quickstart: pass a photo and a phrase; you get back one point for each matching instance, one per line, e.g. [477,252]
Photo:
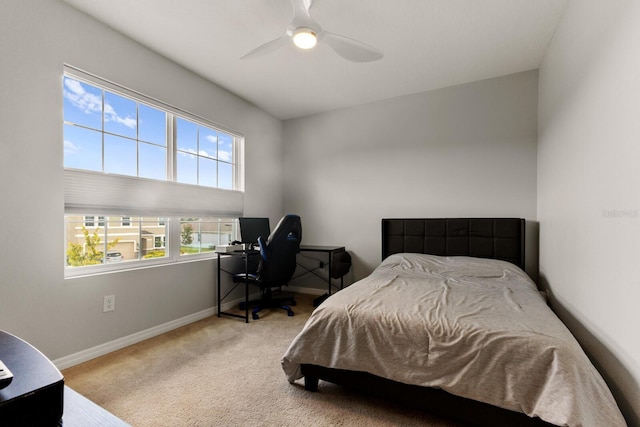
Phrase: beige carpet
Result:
[223,372]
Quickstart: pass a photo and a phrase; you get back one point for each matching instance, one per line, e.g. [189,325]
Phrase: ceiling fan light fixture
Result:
[305,38]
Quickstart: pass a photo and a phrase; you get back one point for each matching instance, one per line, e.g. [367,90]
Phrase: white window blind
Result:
[87,191]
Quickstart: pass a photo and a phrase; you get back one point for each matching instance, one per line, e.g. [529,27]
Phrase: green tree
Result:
[186,234]
[91,254]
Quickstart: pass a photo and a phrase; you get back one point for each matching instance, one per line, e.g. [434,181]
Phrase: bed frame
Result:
[496,238]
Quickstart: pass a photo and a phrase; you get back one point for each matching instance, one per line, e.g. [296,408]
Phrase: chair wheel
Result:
[255,316]
[289,313]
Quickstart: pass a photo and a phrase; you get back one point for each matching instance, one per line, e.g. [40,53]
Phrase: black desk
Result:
[245,254]
[37,395]
[329,250]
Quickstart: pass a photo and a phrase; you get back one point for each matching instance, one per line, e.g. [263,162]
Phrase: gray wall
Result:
[468,150]
[588,186]
[60,316]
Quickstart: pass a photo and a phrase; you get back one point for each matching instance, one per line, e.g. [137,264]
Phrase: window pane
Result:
[152,239]
[207,174]
[82,148]
[123,240]
[120,115]
[208,146]
[84,246]
[187,168]
[82,103]
[152,125]
[186,135]
[202,235]
[189,236]
[120,155]
[153,161]
[225,176]
[225,147]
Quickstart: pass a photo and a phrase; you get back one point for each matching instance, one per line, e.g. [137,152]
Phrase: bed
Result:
[449,322]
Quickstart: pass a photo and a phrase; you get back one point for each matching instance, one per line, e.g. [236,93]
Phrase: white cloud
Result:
[70,148]
[212,138]
[110,115]
[225,156]
[90,103]
[81,99]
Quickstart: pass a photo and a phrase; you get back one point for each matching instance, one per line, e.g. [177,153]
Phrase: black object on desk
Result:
[35,396]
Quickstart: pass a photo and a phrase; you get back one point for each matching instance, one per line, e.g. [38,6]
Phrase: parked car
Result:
[114,256]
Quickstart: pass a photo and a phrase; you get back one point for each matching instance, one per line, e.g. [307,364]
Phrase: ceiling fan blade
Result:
[351,49]
[301,15]
[268,47]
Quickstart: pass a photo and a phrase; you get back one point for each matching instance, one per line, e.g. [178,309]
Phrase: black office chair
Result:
[277,265]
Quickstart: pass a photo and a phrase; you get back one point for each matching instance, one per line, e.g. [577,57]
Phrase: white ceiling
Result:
[428,44]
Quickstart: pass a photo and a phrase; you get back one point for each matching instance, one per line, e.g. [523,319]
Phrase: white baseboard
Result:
[108,347]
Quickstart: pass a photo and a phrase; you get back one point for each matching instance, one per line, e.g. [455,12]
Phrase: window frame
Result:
[172,115]
[182,200]
[171,240]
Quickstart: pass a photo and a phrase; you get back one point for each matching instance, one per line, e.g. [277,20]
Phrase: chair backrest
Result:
[279,251]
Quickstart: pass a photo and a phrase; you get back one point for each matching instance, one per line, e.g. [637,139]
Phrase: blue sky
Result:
[135,141]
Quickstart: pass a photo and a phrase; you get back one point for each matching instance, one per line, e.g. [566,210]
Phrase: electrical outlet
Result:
[109,303]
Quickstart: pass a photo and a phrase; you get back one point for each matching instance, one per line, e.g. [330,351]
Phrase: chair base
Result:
[283,302]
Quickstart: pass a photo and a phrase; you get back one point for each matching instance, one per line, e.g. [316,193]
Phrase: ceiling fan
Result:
[305,33]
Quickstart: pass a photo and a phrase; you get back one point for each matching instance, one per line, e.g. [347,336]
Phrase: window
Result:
[158,241]
[90,221]
[107,132]
[204,155]
[143,241]
[88,246]
[201,235]
[112,133]
[145,182]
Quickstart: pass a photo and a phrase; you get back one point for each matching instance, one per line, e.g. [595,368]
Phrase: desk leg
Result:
[246,288]
[329,276]
[218,296]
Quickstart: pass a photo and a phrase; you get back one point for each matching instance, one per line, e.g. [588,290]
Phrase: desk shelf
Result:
[245,254]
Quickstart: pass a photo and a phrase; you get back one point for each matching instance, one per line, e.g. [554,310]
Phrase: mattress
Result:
[476,328]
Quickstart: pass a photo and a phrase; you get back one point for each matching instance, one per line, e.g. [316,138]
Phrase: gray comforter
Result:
[476,328]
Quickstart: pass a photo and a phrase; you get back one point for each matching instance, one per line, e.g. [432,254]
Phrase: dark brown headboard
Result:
[497,238]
